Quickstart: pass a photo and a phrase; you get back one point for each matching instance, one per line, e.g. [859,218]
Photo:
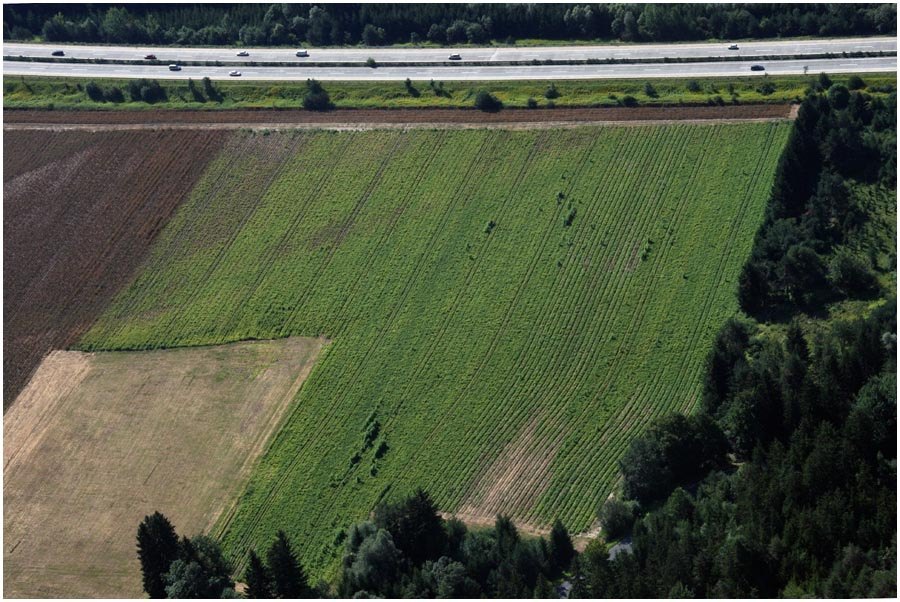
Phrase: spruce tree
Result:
[157,548]
[288,578]
[258,579]
[561,550]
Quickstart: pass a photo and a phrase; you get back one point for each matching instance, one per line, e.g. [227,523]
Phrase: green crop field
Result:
[506,309]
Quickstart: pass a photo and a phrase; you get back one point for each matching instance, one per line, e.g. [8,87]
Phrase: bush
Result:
[531,103]
[616,518]
[629,101]
[370,62]
[143,90]
[94,92]
[410,89]
[551,92]
[839,96]
[114,94]
[316,98]
[650,91]
[855,82]
[850,274]
[766,88]
[487,102]
[693,86]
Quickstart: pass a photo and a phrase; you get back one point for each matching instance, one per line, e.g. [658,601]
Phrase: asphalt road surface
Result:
[458,72]
[410,55]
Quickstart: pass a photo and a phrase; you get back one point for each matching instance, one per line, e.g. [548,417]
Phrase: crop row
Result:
[506,308]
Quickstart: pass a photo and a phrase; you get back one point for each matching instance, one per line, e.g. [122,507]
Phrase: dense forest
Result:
[380,24]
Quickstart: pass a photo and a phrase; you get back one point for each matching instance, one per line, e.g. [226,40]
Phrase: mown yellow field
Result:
[98,440]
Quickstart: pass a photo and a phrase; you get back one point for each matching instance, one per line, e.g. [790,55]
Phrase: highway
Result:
[458,72]
[748,50]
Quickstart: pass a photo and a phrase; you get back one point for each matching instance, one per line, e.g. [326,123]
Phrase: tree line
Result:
[407,550]
[807,252]
[380,24]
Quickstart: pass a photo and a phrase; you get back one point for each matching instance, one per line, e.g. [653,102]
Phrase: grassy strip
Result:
[69,93]
[448,63]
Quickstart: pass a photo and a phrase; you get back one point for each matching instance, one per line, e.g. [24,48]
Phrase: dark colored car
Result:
[150,57]
[58,53]
[757,68]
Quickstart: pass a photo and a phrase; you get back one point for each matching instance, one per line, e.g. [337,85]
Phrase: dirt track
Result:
[355,119]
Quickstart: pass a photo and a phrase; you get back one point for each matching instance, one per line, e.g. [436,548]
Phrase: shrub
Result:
[370,62]
[94,92]
[114,94]
[616,518]
[850,274]
[629,101]
[855,82]
[316,98]
[551,92]
[839,96]
[487,102]
[650,91]
[693,86]
[531,103]
[766,88]
[410,89]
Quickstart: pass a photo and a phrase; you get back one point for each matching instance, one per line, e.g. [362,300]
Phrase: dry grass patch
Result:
[96,441]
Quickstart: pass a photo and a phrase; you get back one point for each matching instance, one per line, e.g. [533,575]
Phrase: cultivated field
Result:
[507,308]
[80,211]
[97,441]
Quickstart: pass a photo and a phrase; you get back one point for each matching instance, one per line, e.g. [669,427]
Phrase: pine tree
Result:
[258,579]
[288,577]
[157,548]
[561,550]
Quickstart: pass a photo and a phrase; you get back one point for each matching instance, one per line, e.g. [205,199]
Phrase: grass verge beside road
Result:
[70,93]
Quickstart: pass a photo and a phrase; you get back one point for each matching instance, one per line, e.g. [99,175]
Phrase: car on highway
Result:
[243,53]
[58,53]
[150,57]
[757,68]
[454,57]
[733,47]
[174,67]
[234,73]
[302,53]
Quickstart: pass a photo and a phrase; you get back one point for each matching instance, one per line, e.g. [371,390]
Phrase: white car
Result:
[234,73]
[302,53]
[243,53]
[174,67]
[454,57]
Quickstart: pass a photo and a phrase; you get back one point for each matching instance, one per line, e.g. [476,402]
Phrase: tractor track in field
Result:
[367,119]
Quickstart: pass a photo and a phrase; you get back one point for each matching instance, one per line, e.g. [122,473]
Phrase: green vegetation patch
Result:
[507,308]
[77,93]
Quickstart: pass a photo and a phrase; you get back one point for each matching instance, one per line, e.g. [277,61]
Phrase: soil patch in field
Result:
[97,441]
[399,116]
[81,209]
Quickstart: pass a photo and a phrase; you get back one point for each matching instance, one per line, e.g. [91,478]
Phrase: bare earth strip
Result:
[96,441]
[386,118]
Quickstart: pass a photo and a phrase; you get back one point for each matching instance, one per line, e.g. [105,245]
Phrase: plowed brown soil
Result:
[80,212]
[369,116]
